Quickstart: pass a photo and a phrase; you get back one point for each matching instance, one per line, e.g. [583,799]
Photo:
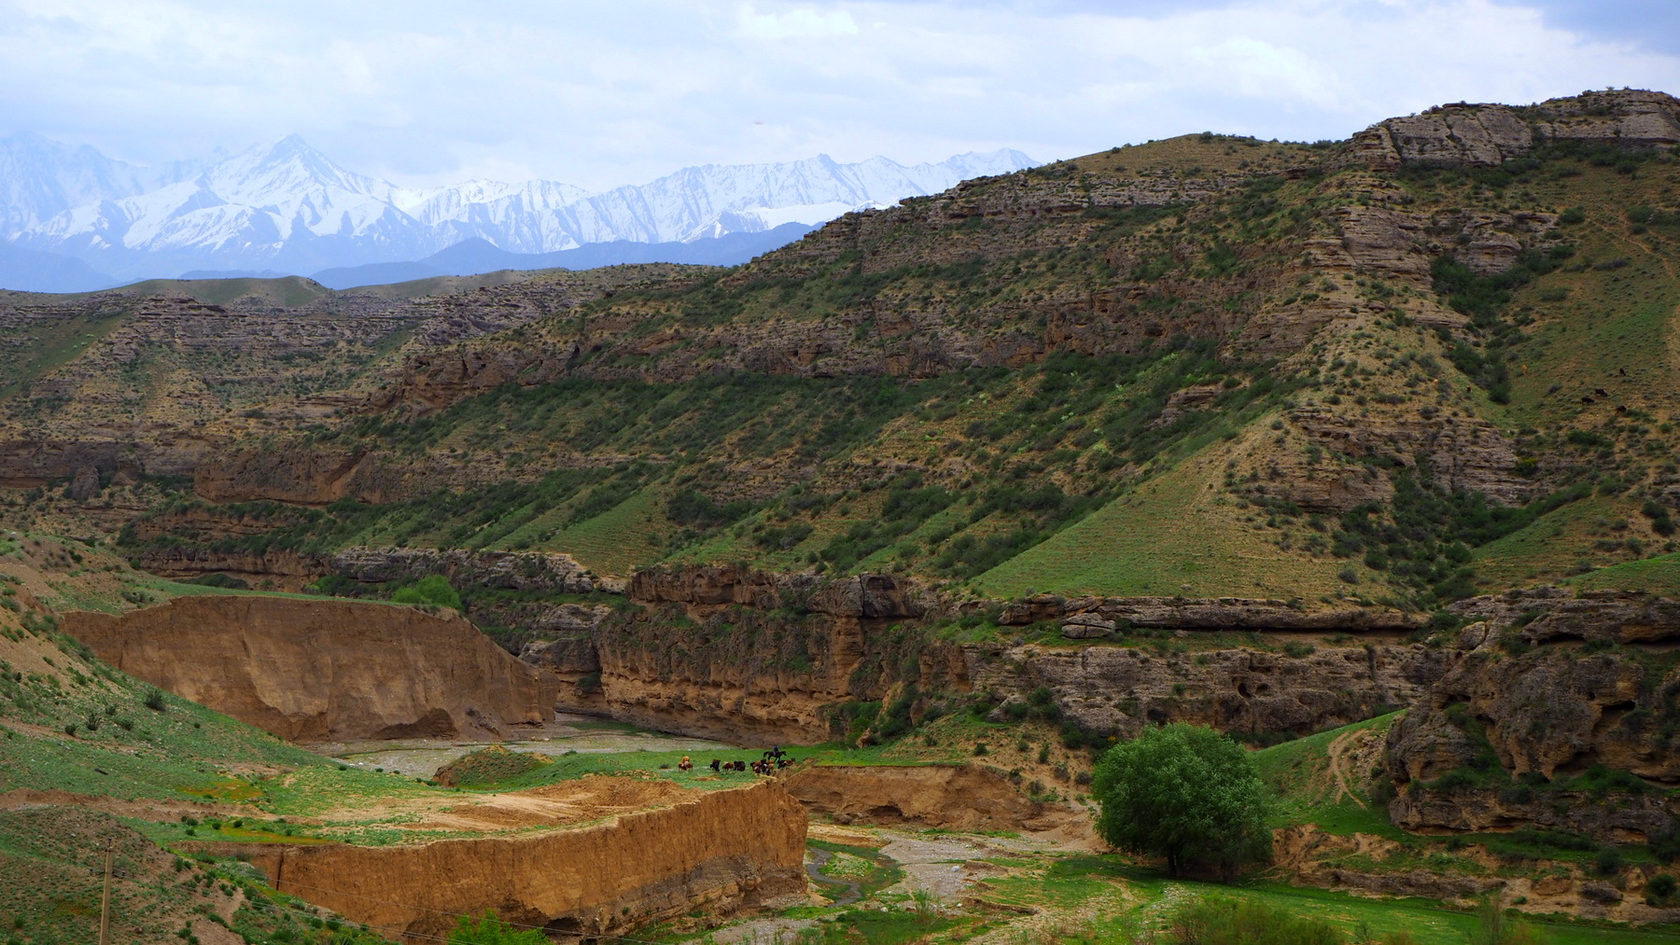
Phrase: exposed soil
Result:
[567,803]
[421,757]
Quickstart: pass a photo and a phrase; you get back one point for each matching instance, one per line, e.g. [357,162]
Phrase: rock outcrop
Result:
[720,852]
[1558,703]
[947,797]
[736,653]
[324,670]
[1484,135]
[1118,689]
[1192,613]
[524,571]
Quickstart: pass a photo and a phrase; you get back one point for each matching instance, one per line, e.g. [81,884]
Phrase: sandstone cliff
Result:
[1464,134]
[737,653]
[720,852]
[1557,704]
[947,797]
[324,670]
[1244,690]
[559,573]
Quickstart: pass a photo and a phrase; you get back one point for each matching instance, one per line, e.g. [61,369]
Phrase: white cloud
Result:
[796,23]
[602,94]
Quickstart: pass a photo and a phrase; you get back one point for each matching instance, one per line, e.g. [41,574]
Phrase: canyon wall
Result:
[719,852]
[1563,713]
[729,652]
[946,797]
[324,670]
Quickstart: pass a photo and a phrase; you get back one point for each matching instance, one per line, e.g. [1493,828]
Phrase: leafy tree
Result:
[432,589]
[490,930]
[1185,793]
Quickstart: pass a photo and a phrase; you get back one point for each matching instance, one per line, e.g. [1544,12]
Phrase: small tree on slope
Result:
[1184,793]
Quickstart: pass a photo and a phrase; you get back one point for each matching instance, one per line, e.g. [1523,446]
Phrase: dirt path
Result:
[1340,748]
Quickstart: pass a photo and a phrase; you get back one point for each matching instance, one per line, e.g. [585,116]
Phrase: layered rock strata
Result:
[1562,713]
[736,653]
[324,670]
[947,797]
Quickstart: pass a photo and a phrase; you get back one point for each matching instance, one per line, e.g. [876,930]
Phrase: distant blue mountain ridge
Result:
[73,220]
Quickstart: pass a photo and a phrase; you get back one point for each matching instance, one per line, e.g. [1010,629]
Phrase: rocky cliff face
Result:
[1118,689]
[1558,703]
[736,653]
[559,573]
[324,670]
[1484,135]
[720,852]
[946,797]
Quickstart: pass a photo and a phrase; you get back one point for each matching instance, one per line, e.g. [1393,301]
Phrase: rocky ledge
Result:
[1563,712]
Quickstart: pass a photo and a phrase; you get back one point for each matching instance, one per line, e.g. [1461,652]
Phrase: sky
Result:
[600,94]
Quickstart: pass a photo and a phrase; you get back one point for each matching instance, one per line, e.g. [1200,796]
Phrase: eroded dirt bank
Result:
[331,669]
[948,797]
[719,851]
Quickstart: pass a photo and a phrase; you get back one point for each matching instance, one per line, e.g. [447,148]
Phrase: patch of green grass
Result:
[1137,544]
[1659,575]
[320,788]
[1427,921]
[872,870]
[619,540]
[1305,790]
[1551,546]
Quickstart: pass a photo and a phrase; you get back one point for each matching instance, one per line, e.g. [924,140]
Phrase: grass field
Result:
[1564,541]
[1138,544]
[1659,575]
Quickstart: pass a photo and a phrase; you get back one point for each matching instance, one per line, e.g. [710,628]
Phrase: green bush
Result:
[432,589]
[1229,922]
[490,930]
[1184,793]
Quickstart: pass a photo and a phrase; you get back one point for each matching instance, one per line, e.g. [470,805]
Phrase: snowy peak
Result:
[40,179]
[287,206]
[284,173]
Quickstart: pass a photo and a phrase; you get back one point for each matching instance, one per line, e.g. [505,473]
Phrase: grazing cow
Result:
[1585,399]
[716,764]
[1600,392]
[685,764]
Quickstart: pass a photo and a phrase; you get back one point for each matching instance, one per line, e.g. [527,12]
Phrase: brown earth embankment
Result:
[324,670]
[720,852]
[947,797]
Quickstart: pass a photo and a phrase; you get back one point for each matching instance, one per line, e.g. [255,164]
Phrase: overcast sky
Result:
[600,94]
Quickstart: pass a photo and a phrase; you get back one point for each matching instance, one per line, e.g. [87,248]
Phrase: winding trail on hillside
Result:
[1339,749]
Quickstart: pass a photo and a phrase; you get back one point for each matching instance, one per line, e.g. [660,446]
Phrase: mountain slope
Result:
[1390,369]
[40,179]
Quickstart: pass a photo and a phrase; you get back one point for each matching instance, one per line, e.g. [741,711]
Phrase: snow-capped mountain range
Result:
[72,215]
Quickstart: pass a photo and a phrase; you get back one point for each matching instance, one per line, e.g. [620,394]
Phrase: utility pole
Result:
[105,900]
